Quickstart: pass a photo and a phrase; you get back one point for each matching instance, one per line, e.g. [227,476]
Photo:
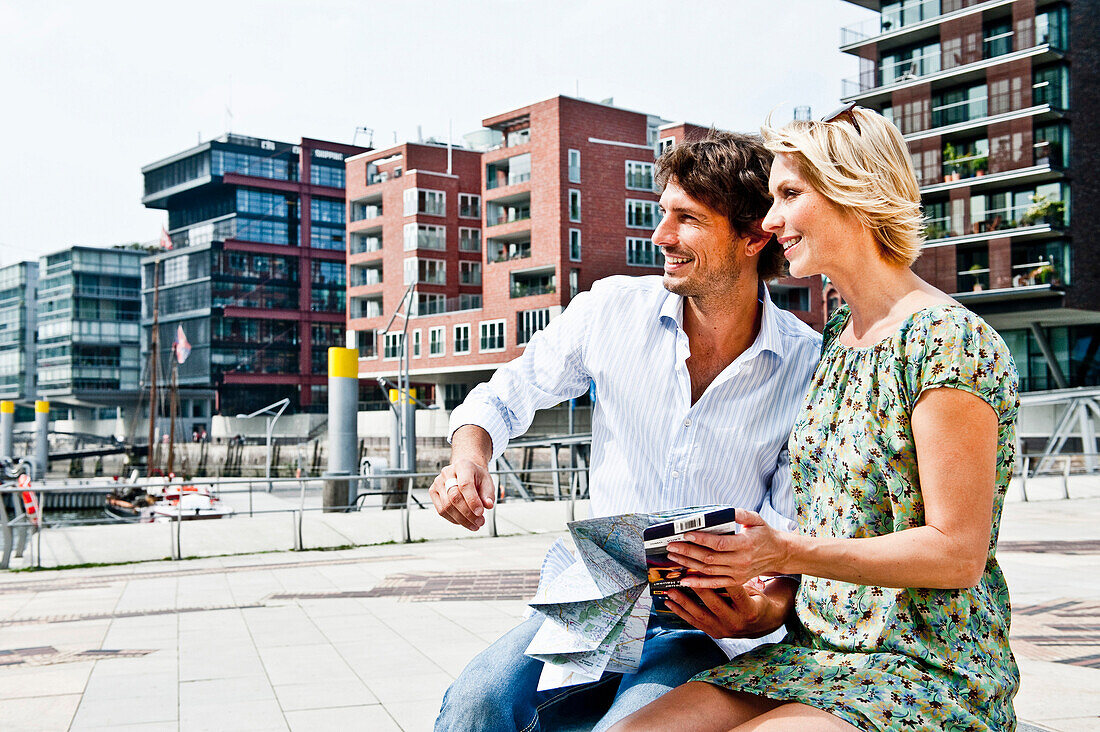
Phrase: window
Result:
[574,205]
[326,210]
[324,175]
[391,348]
[432,203]
[416,343]
[639,176]
[425,236]
[529,322]
[469,302]
[429,304]
[575,245]
[641,214]
[469,273]
[574,166]
[436,346]
[664,144]
[795,298]
[574,282]
[425,271]
[643,253]
[469,205]
[469,240]
[462,338]
[492,336]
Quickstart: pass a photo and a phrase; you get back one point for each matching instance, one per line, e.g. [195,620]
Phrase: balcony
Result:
[1035,272]
[205,233]
[508,172]
[364,244]
[365,307]
[504,250]
[909,20]
[1042,219]
[528,283]
[364,276]
[429,304]
[364,211]
[1043,41]
[508,209]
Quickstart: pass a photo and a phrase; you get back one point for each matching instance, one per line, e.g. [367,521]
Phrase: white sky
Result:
[94,90]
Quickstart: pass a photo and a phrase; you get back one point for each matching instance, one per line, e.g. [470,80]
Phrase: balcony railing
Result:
[361,278]
[1002,219]
[362,212]
[495,217]
[888,22]
[917,67]
[364,244]
[528,289]
[217,230]
[507,252]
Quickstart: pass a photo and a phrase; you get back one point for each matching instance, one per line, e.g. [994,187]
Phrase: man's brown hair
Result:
[728,171]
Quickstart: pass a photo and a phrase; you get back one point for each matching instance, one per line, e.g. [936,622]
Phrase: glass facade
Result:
[225,298]
[88,325]
[17,323]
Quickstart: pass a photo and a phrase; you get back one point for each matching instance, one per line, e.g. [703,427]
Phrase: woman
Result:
[900,460]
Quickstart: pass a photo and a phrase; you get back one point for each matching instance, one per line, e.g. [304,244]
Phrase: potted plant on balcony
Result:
[950,167]
[935,231]
[1044,210]
[1043,274]
[979,165]
[975,271]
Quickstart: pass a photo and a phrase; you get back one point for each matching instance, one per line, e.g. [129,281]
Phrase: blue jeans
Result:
[497,690]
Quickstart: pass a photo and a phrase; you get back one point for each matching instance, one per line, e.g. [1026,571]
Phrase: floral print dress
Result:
[884,658]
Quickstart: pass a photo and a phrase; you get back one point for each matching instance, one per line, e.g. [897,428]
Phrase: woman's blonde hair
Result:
[859,161]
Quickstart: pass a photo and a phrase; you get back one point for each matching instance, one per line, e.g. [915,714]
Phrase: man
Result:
[695,379]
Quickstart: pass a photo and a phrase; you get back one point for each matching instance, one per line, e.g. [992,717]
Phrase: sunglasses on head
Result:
[844,112]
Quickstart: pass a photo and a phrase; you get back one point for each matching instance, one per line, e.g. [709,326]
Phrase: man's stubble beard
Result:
[723,281]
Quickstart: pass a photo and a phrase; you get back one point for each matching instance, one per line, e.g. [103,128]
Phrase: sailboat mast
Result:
[154,345]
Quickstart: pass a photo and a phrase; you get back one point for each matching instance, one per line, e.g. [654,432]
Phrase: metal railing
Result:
[1059,465]
[394,487]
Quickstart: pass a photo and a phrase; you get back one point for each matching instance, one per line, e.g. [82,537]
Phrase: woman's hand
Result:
[732,559]
[751,611]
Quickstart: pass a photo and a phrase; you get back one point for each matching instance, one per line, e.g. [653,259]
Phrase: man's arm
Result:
[550,370]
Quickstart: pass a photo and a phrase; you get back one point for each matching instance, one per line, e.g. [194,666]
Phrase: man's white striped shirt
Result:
[652,449]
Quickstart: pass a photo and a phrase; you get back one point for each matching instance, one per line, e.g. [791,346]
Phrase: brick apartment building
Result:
[499,238]
[994,99]
[256,273]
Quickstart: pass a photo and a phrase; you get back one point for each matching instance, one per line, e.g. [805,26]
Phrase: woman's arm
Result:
[955,436]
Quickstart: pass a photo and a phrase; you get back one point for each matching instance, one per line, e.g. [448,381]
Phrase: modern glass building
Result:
[88,327]
[17,331]
[256,274]
[993,97]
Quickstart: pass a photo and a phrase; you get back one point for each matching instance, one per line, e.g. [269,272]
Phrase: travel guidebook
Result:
[665,574]
[595,596]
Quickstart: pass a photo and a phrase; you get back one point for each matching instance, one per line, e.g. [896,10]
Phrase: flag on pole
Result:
[165,240]
[182,347]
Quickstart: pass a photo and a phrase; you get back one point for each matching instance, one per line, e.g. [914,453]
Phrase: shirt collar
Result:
[768,339]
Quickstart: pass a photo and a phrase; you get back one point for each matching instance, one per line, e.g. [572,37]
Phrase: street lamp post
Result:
[274,411]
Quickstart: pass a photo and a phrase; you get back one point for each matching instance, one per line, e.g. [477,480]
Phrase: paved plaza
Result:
[369,638]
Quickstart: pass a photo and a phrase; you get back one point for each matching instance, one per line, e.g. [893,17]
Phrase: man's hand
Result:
[462,492]
[752,610]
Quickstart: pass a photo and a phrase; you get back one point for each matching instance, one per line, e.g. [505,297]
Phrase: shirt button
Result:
[675,473]
[687,422]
